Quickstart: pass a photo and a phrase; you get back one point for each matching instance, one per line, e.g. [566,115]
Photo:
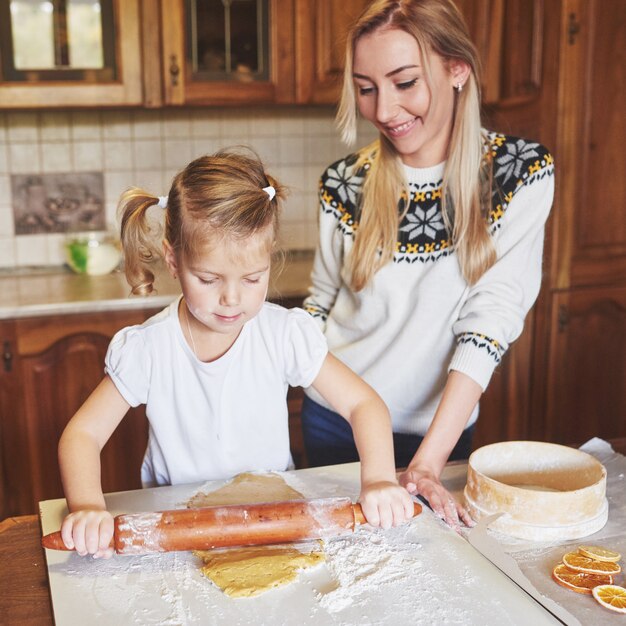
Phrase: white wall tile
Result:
[31,250]
[54,126]
[291,150]
[205,123]
[7,252]
[268,149]
[320,122]
[204,145]
[24,158]
[148,154]
[5,190]
[147,148]
[147,124]
[116,125]
[177,125]
[86,125]
[22,127]
[3,128]
[318,148]
[117,155]
[7,225]
[56,157]
[293,177]
[291,123]
[177,153]
[115,183]
[263,123]
[88,156]
[56,248]
[151,181]
[234,123]
[4,163]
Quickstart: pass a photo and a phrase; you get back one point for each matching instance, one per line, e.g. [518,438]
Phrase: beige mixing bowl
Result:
[548,492]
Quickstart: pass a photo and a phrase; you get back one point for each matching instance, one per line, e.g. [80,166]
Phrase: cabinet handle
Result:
[573,28]
[174,71]
[7,356]
[563,318]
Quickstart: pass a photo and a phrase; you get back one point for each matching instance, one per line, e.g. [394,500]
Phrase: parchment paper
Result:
[537,559]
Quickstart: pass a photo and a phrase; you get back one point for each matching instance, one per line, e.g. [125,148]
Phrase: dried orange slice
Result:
[599,553]
[611,597]
[577,581]
[580,563]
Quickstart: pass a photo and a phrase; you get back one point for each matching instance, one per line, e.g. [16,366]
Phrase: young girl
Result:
[213,368]
[430,241]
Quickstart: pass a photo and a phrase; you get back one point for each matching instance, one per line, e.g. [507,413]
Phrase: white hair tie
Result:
[270,191]
[162,203]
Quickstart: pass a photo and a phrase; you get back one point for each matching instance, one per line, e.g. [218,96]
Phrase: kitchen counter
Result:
[52,291]
[25,598]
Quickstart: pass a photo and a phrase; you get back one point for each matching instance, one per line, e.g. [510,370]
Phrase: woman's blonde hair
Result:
[216,196]
[438,27]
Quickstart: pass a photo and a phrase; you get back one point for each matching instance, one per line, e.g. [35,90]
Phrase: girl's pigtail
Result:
[138,240]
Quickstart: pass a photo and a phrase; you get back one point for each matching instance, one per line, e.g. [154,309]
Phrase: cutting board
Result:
[421,573]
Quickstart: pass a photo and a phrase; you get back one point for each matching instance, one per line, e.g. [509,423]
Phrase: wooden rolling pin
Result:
[229,526]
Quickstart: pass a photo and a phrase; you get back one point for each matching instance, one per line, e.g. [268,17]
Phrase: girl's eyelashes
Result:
[364,91]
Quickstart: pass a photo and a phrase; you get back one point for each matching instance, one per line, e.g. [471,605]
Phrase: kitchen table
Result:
[25,596]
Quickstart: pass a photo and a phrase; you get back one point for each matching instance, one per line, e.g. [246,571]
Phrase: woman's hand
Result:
[427,484]
[89,532]
[386,504]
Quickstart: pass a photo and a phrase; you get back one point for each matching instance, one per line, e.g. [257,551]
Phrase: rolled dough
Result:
[247,572]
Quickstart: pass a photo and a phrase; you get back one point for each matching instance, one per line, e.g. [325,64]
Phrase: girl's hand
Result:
[386,504]
[89,532]
[425,483]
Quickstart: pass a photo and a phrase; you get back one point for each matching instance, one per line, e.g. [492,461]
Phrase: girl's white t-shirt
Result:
[213,420]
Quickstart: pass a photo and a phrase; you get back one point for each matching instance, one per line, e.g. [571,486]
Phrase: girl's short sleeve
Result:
[305,348]
[128,364]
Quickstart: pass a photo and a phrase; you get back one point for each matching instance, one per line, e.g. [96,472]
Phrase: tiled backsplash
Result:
[146,148]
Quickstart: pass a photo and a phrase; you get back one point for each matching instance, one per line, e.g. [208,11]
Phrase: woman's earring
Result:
[459,87]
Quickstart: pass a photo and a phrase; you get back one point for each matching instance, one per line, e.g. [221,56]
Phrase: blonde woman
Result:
[430,244]
[213,368]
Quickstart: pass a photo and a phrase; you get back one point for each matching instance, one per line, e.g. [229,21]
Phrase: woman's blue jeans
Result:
[328,439]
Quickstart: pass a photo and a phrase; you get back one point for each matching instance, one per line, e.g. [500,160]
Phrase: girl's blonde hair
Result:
[216,196]
[438,27]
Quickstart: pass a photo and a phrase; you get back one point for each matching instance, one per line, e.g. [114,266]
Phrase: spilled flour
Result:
[368,561]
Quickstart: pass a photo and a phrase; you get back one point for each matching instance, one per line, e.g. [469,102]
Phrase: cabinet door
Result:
[586,394]
[41,69]
[321,27]
[56,363]
[239,51]
[591,245]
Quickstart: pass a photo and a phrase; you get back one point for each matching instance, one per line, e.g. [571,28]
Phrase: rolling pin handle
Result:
[359,517]
[54,541]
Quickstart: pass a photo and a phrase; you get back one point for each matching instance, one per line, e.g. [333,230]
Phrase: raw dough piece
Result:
[247,572]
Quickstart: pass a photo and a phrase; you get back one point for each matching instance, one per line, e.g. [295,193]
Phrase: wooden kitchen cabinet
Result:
[158,59]
[320,40]
[118,83]
[50,366]
[585,390]
[562,381]
[183,82]
[582,341]
[306,48]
